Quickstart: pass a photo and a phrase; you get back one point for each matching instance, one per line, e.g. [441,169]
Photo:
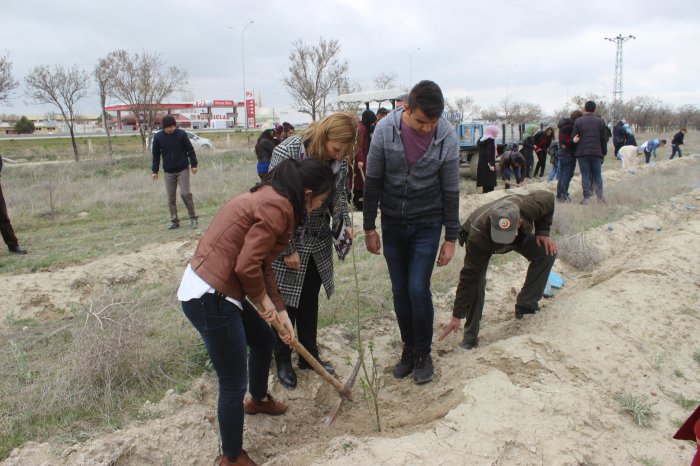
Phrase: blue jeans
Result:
[591,170]
[226,331]
[676,148]
[554,172]
[508,171]
[567,166]
[410,251]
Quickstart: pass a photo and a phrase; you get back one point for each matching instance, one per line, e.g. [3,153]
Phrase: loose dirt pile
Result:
[537,391]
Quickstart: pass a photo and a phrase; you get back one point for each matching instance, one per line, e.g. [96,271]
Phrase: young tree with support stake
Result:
[142,82]
[62,88]
[104,83]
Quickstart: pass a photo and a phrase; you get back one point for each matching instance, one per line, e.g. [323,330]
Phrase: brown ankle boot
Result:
[241,460]
[267,406]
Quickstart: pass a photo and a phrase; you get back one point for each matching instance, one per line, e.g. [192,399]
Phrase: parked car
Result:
[199,143]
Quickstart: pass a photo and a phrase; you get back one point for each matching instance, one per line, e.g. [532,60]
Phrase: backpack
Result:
[553,149]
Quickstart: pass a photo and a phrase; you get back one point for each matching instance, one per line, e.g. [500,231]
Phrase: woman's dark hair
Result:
[291,177]
[266,134]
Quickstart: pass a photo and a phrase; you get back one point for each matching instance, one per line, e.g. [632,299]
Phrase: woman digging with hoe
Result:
[232,268]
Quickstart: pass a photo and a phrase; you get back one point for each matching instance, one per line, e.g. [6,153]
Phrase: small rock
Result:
[690,207]
[610,228]
[82,214]
[658,228]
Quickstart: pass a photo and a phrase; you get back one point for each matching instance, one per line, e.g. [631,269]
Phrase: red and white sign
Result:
[213,103]
[250,109]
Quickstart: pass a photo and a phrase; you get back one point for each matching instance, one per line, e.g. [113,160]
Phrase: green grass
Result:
[639,407]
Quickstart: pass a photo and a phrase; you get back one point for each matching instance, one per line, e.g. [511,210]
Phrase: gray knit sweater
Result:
[427,192]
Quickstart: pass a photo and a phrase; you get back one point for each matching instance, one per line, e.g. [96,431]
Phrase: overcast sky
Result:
[543,51]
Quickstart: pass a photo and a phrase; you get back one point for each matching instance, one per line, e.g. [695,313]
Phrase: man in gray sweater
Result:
[413,177]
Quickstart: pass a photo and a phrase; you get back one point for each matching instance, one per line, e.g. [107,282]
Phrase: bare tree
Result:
[314,71]
[102,75]
[687,114]
[601,104]
[141,82]
[386,80]
[641,110]
[464,106]
[7,82]
[62,88]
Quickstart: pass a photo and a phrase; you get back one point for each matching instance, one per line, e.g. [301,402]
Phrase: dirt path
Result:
[537,391]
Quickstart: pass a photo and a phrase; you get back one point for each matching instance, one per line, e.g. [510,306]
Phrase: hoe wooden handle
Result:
[313,362]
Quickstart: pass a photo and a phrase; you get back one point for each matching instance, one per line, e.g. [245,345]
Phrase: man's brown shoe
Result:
[268,406]
[241,460]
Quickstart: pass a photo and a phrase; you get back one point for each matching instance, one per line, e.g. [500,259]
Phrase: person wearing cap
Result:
[264,147]
[518,223]
[381,113]
[413,177]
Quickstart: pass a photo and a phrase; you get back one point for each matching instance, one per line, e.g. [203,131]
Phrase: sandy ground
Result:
[540,391]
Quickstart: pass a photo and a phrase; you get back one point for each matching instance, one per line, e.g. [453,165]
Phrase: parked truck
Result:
[469,134]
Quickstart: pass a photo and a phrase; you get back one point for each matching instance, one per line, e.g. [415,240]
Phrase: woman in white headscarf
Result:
[486,168]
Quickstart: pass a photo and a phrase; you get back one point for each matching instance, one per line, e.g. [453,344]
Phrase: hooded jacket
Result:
[566,143]
[536,212]
[427,192]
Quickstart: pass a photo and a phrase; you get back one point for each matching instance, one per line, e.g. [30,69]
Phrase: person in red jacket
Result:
[229,290]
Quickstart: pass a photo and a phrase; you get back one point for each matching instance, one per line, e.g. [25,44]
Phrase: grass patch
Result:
[639,407]
[696,356]
[680,399]
[646,460]
[572,220]
[94,370]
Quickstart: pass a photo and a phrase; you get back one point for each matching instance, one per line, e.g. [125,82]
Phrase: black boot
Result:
[303,365]
[287,376]
[520,311]
[468,343]
[422,367]
[405,365]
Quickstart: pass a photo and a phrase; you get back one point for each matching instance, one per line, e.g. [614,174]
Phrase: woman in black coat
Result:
[486,168]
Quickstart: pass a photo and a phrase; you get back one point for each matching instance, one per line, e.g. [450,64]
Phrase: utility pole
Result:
[410,65]
[615,108]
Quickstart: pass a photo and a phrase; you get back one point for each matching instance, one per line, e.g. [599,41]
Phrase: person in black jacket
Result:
[590,134]
[486,167]
[677,142]
[175,147]
[8,233]
[542,140]
[567,161]
[619,135]
[512,163]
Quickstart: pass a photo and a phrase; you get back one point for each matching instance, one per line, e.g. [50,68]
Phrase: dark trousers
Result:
[541,163]
[591,176]
[676,149]
[304,317]
[171,181]
[8,234]
[567,166]
[529,162]
[530,294]
[647,156]
[226,331]
[487,189]
[410,251]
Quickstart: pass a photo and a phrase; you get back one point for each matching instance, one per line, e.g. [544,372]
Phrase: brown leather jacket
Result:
[235,255]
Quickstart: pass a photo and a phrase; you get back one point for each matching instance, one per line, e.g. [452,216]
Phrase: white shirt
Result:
[193,287]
